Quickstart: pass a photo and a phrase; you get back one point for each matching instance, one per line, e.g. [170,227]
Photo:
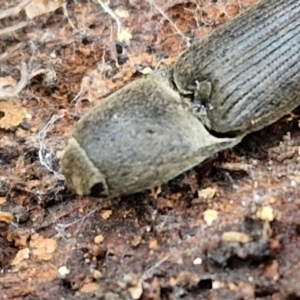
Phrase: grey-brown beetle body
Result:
[242,77]
[246,74]
[139,137]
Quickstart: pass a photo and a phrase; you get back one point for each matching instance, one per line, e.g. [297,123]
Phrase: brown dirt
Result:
[228,229]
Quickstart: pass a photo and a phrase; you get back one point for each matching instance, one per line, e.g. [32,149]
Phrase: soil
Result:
[227,229]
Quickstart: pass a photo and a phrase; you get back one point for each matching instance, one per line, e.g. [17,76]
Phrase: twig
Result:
[234,166]
[24,79]
[13,10]
[170,21]
[60,228]
[4,95]
[6,55]
[45,155]
[64,7]
[150,272]
[2,182]
[10,29]
[112,14]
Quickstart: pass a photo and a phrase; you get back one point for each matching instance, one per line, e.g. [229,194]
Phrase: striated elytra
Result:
[253,66]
